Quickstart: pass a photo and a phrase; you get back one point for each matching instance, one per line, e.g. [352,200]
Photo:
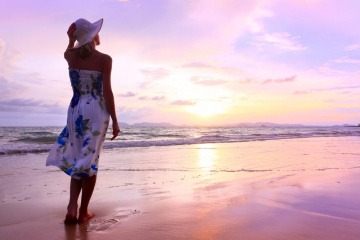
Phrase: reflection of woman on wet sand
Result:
[78,147]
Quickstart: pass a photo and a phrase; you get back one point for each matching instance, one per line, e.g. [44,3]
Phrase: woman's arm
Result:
[71,36]
[72,40]
[109,96]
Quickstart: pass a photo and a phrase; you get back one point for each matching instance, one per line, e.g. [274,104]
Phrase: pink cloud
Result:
[280,80]
[133,114]
[184,102]
[156,98]
[215,66]
[298,92]
[128,94]
[279,40]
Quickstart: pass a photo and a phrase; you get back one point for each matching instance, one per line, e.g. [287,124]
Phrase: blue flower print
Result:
[79,125]
[96,86]
[64,135]
[93,167]
[76,85]
[74,75]
[86,142]
[69,171]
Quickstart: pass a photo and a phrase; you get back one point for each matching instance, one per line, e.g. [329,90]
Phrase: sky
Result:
[189,62]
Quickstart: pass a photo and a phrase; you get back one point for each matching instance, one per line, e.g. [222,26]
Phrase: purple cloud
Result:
[156,98]
[216,66]
[134,114]
[128,94]
[278,40]
[22,104]
[280,80]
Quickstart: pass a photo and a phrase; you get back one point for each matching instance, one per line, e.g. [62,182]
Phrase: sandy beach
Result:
[278,189]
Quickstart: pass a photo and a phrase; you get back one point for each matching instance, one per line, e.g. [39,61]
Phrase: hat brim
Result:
[98,24]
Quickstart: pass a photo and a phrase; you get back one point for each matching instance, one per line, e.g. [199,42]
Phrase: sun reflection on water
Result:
[207,157]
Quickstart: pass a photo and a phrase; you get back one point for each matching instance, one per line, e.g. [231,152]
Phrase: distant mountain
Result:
[124,125]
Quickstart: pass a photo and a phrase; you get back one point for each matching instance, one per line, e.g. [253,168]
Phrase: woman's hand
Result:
[71,31]
[116,130]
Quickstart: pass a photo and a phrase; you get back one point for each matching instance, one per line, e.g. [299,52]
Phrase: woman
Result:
[78,147]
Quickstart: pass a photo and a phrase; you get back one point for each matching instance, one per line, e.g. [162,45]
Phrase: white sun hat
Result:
[86,31]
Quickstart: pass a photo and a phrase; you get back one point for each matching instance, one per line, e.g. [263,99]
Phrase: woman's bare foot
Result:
[70,219]
[86,217]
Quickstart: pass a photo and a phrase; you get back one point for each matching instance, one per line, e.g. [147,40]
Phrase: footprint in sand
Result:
[100,225]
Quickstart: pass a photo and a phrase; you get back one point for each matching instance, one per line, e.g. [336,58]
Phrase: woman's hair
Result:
[84,51]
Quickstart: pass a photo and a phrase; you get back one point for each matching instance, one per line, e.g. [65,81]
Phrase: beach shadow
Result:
[76,231]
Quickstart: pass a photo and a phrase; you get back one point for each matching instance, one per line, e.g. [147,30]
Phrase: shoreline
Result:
[276,189]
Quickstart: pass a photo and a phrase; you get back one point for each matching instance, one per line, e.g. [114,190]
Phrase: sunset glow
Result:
[208,108]
[189,62]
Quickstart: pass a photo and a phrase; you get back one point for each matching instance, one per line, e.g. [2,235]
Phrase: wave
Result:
[23,151]
[217,139]
[152,135]
[40,133]
[43,139]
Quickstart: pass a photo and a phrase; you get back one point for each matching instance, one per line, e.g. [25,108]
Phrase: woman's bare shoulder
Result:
[105,57]
[69,53]
[106,61]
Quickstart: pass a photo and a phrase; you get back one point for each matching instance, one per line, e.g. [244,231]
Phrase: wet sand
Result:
[279,189]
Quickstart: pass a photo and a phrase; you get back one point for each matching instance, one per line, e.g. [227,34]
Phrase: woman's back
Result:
[95,61]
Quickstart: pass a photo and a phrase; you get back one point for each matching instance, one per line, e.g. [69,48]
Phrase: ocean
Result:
[21,140]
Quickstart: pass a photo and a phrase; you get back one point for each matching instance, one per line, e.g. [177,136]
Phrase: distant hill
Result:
[124,124]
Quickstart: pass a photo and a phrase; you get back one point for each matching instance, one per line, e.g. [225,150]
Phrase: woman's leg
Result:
[87,187]
[75,188]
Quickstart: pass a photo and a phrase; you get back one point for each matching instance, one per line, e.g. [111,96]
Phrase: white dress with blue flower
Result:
[78,147]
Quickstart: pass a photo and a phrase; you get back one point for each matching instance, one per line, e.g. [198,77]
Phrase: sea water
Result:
[20,140]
